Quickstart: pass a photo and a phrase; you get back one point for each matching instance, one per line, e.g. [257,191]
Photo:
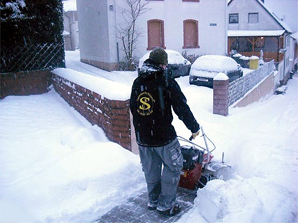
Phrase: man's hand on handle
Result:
[194,135]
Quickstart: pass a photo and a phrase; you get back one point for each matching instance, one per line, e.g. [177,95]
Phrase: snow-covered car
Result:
[177,64]
[206,67]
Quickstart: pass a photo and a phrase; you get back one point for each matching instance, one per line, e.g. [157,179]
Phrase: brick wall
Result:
[226,94]
[24,83]
[221,97]
[241,86]
[111,115]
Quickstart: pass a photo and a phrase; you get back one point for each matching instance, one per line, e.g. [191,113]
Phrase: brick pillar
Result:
[221,94]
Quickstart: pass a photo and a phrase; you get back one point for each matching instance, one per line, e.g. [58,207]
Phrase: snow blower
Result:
[198,164]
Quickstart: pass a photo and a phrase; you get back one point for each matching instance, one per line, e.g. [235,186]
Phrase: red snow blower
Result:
[198,164]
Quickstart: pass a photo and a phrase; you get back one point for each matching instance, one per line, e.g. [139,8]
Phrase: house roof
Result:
[270,12]
[70,6]
[295,36]
[232,33]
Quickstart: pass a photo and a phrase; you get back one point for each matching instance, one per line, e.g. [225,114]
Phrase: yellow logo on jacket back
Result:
[145,103]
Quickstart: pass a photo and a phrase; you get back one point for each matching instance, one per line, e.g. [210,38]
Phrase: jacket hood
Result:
[150,69]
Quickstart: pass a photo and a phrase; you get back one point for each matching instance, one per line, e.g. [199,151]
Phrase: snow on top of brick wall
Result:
[221,77]
[106,88]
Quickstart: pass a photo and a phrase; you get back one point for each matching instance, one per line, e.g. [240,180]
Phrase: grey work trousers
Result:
[162,182]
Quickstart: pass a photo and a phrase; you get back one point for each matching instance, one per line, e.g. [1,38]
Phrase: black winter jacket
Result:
[151,100]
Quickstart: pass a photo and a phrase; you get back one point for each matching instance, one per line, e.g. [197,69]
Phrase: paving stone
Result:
[135,210]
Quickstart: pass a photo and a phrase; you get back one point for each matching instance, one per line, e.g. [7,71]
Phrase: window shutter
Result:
[190,33]
[155,34]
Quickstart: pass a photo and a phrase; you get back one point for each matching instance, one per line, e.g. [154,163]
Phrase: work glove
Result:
[194,135]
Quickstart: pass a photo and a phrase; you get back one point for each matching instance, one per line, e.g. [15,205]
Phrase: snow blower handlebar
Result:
[206,144]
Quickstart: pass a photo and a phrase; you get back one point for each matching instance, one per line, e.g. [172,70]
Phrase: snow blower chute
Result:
[198,164]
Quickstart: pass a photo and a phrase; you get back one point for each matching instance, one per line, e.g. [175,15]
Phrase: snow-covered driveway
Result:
[56,167]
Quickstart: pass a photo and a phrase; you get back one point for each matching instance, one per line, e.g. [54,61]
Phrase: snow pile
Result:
[56,167]
[260,142]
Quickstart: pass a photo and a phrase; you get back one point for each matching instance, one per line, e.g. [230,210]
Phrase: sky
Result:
[57,167]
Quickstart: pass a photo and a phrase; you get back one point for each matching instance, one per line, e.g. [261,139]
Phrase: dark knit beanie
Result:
[159,55]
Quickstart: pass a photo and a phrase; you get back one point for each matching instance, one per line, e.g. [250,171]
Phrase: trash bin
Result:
[244,61]
[236,57]
[253,62]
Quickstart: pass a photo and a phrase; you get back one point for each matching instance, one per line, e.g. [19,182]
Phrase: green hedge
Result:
[30,22]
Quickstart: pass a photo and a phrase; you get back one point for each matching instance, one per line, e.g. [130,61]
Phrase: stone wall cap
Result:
[221,77]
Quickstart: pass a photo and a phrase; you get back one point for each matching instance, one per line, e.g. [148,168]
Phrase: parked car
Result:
[206,67]
[177,64]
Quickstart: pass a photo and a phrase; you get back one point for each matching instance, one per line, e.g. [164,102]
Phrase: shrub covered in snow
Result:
[30,22]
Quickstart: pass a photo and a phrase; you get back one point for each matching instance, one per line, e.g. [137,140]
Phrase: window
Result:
[155,34]
[233,18]
[281,42]
[190,33]
[253,17]
[260,42]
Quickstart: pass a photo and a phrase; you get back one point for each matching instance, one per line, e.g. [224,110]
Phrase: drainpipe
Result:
[117,44]
[277,49]
[284,50]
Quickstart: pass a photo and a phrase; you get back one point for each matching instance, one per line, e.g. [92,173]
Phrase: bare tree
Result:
[127,31]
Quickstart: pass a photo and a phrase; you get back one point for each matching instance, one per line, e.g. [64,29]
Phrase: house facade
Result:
[197,27]
[295,50]
[253,28]
[70,24]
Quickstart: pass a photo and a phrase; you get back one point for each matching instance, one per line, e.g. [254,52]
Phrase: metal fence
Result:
[32,57]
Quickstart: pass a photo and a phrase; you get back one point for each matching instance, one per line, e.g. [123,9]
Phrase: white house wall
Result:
[93,26]
[99,19]
[211,17]
[213,38]
[292,53]
[243,7]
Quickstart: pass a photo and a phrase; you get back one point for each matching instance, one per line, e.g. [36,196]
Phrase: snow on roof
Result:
[280,22]
[255,32]
[70,5]
[295,36]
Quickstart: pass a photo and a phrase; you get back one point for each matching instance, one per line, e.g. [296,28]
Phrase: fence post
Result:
[221,94]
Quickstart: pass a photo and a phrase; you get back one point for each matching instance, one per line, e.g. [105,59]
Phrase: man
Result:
[153,96]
